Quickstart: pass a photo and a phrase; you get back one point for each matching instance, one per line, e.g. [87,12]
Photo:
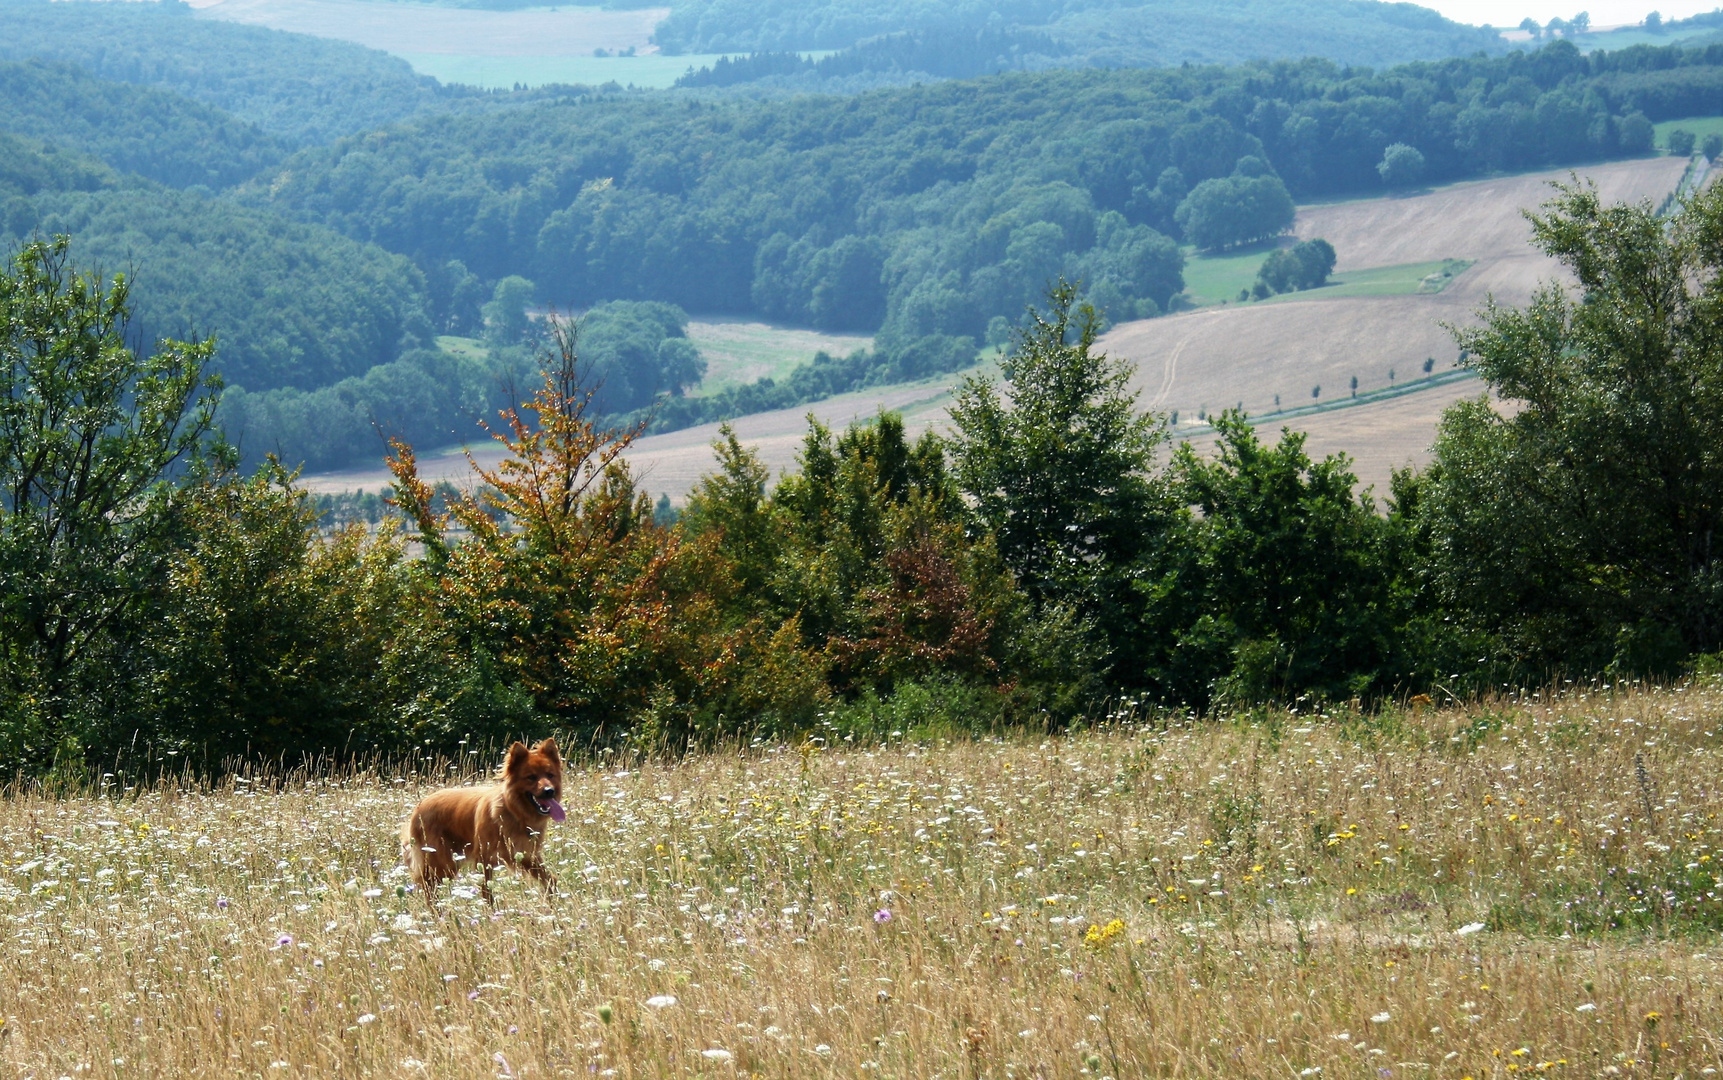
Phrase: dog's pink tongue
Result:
[557,813]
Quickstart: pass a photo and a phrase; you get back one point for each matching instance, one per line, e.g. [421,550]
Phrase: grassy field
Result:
[1211,279]
[1520,886]
[1427,278]
[1218,278]
[742,351]
[1700,126]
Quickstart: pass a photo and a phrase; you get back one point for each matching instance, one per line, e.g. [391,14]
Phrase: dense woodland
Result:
[1104,33]
[932,210]
[1048,557]
[303,90]
[153,133]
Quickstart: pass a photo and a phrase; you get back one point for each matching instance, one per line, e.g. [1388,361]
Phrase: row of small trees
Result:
[1051,552]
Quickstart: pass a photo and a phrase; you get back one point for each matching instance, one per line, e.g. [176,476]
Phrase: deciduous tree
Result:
[1585,524]
[92,434]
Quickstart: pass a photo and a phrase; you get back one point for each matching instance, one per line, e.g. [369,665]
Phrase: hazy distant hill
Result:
[303,89]
[1108,33]
[140,129]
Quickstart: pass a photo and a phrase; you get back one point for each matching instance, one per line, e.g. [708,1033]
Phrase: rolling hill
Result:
[1223,356]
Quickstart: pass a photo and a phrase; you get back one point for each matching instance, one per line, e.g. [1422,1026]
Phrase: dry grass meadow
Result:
[1518,886]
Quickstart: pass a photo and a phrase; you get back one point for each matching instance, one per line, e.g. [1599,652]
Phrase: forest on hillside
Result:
[1103,33]
[389,212]
[934,209]
[303,90]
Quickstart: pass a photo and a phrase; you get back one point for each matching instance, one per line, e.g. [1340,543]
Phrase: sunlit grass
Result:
[1517,887]
[1698,126]
[1211,279]
[738,351]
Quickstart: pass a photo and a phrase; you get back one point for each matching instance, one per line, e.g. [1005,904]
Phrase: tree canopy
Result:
[136,129]
[1114,33]
[1582,526]
[299,88]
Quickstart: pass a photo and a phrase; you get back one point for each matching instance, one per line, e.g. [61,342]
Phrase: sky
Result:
[1506,13]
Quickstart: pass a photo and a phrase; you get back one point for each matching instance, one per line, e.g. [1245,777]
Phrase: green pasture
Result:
[738,351]
[463,346]
[1403,280]
[505,72]
[1700,126]
[1628,36]
[1212,279]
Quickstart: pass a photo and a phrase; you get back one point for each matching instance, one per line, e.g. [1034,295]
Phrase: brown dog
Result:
[491,825]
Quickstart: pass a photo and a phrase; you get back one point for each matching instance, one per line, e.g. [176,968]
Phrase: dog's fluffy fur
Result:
[490,825]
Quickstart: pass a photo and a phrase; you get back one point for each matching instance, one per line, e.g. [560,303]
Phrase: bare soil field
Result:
[1478,220]
[1516,887]
[1275,355]
[1258,356]
[423,28]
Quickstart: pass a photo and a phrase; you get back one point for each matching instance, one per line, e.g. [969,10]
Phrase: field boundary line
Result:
[1369,397]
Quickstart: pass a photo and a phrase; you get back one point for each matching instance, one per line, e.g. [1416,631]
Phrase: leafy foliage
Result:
[889,58]
[1279,584]
[1581,527]
[638,352]
[270,638]
[934,209]
[1401,165]
[294,305]
[91,432]
[430,396]
[28,166]
[1056,465]
[1305,265]
[1238,209]
[563,576]
[1008,578]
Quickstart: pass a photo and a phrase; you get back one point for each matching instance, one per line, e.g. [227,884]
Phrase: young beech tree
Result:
[92,432]
[1585,524]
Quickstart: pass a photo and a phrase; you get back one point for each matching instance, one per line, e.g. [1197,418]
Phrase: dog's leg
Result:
[542,875]
[485,889]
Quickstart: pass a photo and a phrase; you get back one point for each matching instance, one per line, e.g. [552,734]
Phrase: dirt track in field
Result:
[1217,358]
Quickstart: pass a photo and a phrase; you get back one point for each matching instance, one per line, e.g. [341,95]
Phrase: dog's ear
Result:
[547,747]
[516,759]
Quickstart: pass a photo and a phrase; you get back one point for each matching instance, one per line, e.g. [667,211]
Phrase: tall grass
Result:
[1518,886]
